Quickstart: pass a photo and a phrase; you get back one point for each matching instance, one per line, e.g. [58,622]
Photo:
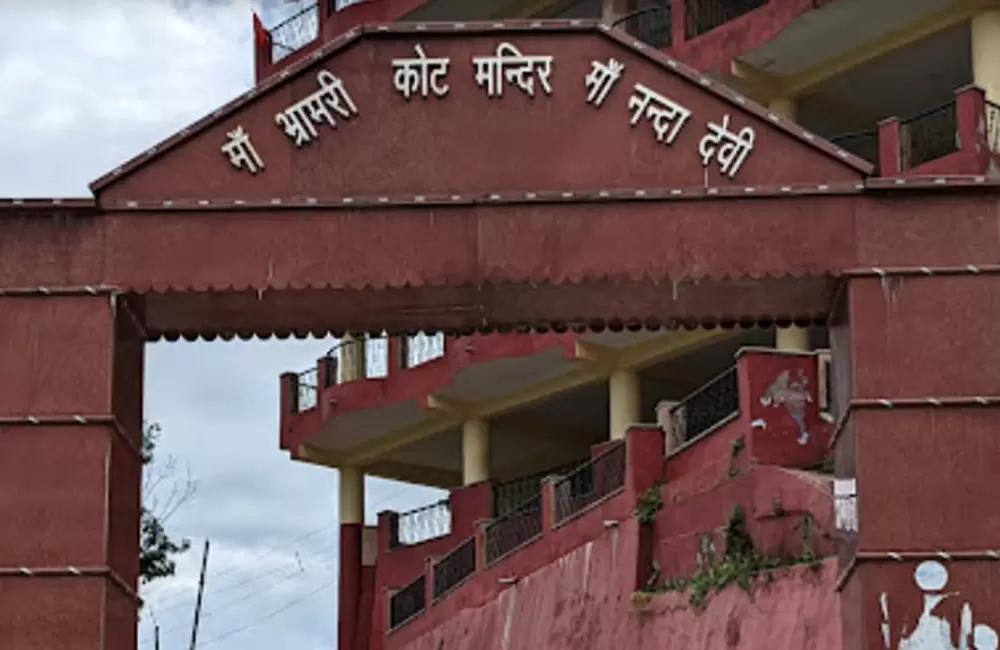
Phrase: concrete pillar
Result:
[352,358]
[352,495]
[475,451]
[71,485]
[786,107]
[985,32]
[612,10]
[352,523]
[624,399]
[792,339]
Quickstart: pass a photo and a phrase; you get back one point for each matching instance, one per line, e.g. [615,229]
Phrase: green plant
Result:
[740,563]
[825,466]
[648,504]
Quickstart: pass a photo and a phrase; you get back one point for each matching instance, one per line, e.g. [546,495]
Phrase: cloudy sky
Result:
[85,85]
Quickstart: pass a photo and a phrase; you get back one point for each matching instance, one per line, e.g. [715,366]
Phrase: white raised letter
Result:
[298,120]
[667,116]
[420,74]
[602,78]
[508,64]
[240,151]
[731,154]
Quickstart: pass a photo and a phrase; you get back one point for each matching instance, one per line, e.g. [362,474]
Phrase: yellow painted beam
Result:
[669,346]
[806,81]
[449,405]
[394,471]
[451,413]
[486,410]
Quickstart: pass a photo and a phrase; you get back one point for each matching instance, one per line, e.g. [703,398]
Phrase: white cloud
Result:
[83,87]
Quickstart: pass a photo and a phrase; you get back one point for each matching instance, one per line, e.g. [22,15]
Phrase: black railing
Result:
[507,496]
[294,33]
[863,144]
[308,390]
[422,524]
[591,482]
[993,126]
[408,602]
[333,6]
[927,136]
[452,569]
[649,21]
[705,408]
[701,16]
[513,530]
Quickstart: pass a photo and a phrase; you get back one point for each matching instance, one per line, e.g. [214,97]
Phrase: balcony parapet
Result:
[763,411]
[961,136]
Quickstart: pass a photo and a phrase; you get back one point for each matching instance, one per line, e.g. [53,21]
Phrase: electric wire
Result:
[170,601]
[273,614]
[231,604]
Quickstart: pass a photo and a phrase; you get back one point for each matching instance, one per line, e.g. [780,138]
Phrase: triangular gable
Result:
[587,108]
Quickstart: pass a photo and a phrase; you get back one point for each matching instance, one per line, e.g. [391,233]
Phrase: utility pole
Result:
[156,638]
[197,605]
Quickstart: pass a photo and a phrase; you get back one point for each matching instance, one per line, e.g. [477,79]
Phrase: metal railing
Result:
[422,524]
[507,496]
[706,407]
[513,530]
[591,482]
[650,22]
[422,348]
[333,6]
[993,126]
[294,33]
[455,567]
[408,602]
[701,16]
[863,144]
[927,136]
[308,394]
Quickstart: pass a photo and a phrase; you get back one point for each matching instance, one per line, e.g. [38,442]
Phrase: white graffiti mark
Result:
[933,632]
[794,395]
[845,504]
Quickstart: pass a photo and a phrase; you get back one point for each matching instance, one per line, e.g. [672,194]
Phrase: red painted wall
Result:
[581,599]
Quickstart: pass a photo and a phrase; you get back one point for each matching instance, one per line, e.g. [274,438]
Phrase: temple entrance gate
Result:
[492,178]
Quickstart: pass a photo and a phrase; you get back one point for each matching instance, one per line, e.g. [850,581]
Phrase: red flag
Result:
[260,35]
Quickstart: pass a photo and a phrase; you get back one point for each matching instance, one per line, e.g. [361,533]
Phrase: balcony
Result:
[961,136]
[763,411]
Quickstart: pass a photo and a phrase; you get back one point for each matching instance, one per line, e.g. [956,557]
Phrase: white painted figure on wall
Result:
[794,395]
[932,631]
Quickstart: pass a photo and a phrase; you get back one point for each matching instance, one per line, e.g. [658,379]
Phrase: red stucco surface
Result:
[582,600]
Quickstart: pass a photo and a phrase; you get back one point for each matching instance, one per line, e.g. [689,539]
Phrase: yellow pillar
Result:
[985,32]
[352,495]
[475,451]
[624,398]
[352,358]
[792,339]
[785,107]
[612,10]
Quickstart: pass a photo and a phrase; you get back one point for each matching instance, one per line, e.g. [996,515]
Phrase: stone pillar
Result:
[985,32]
[352,358]
[475,451]
[624,398]
[352,521]
[916,458]
[786,107]
[70,469]
[792,339]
